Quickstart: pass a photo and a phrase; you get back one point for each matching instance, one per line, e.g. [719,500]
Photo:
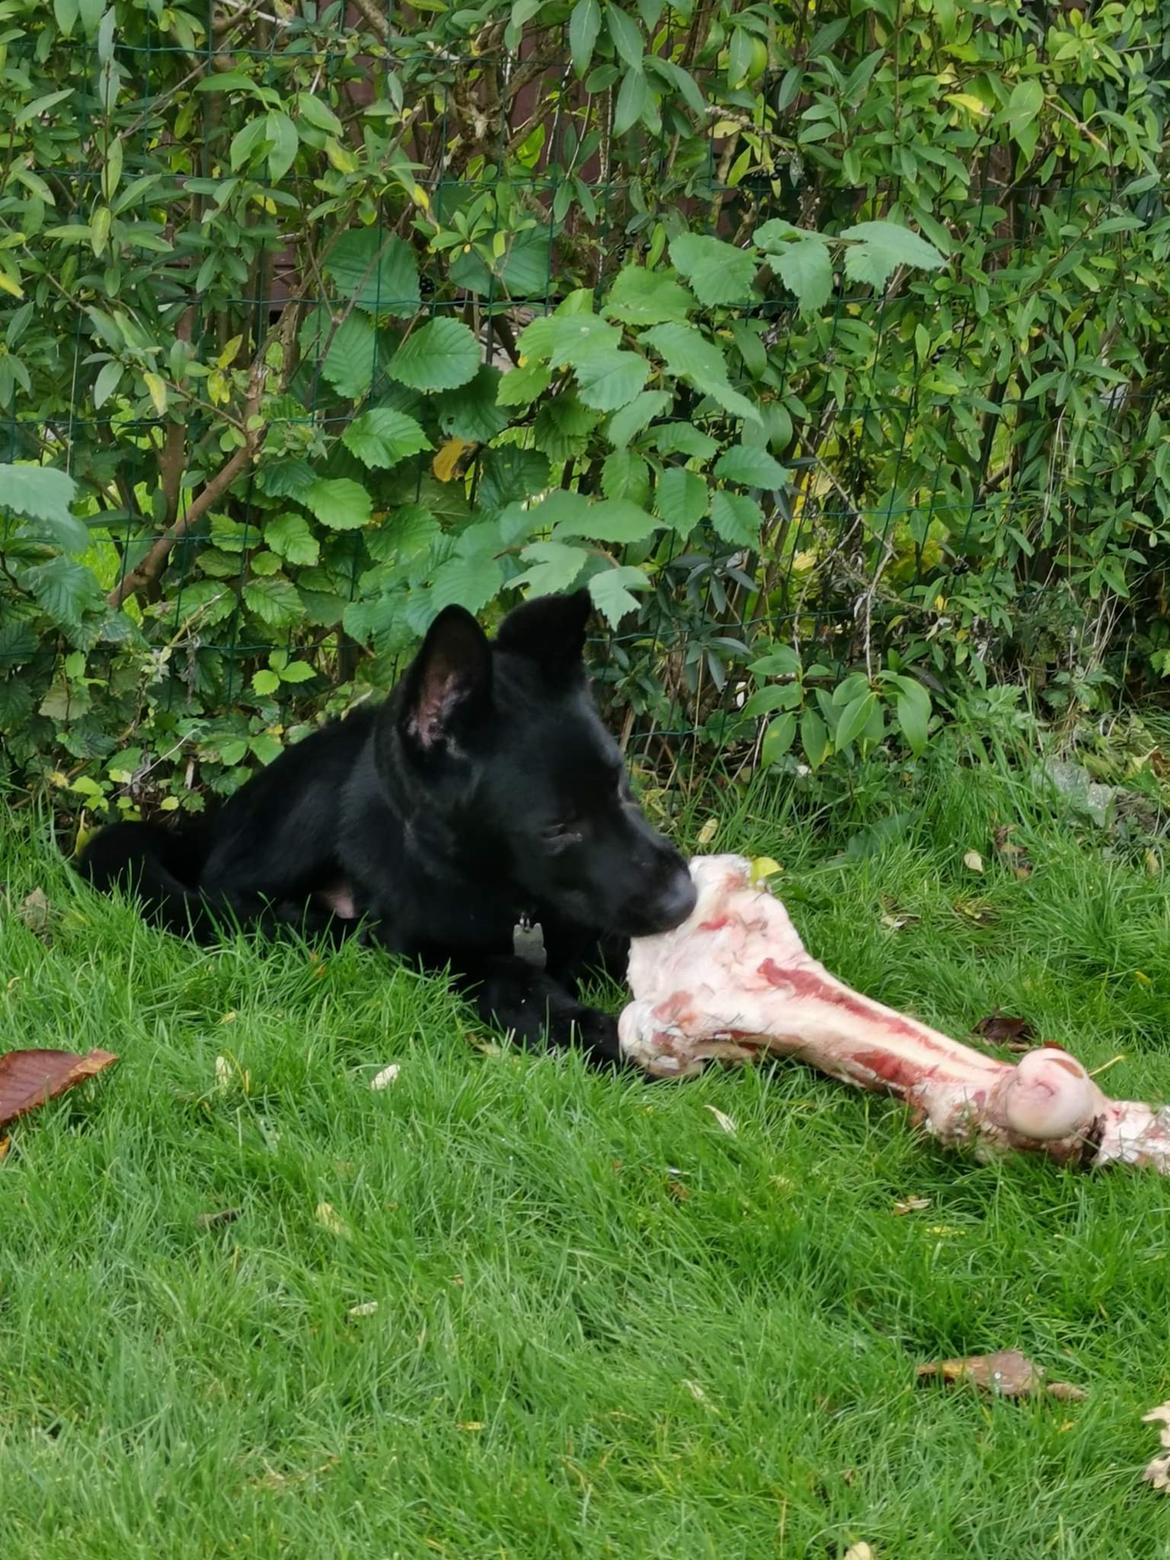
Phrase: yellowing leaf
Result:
[708,832]
[447,457]
[340,156]
[329,1219]
[763,867]
[973,105]
[973,861]
[10,285]
[158,392]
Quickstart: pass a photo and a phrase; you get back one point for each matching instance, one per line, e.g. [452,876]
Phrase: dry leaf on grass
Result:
[366,1308]
[723,1119]
[386,1077]
[859,1552]
[1007,1372]
[29,1078]
[912,1205]
[221,1216]
[1016,1034]
[973,861]
[329,1219]
[1157,1470]
[35,911]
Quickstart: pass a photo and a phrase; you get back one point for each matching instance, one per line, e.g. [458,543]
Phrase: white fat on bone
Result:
[735,981]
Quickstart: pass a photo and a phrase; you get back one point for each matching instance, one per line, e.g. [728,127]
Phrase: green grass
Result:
[604,1326]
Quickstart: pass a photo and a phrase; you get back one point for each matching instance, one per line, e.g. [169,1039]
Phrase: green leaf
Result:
[66,591]
[314,111]
[639,414]
[778,738]
[381,437]
[642,297]
[274,600]
[806,270]
[521,386]
[752,466]
[289,536]
[286,479]
[880,247]
[508,475]
[736,518]
[1025,102]
[682,498]
[626,35]
[407,534]
[472,412]
[297,672]
[780,661]
[350,357]
[441,355]
[718,272]
[584,27]
[41,492]
[568,337]
[610,520]
[776,696]
[689,355]
[632,99]
[678,438]
[610,590]
[814,738]
[913,711]
[339,503]
[553,567]
[467,581]
[853,720]
[108,380]
[377,270]
[626,475]
[265,682]
[611,380]
[285,143]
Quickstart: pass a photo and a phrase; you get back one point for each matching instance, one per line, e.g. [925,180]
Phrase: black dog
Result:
[484,791]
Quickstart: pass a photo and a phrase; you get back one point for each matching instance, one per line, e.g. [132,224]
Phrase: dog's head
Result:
[503,741]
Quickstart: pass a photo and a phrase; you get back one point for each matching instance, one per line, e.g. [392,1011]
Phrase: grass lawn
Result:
[505,1307]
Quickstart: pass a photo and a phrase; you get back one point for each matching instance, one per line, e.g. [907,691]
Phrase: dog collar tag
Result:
[528,942]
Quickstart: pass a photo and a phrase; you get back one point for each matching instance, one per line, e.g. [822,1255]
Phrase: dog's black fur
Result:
[485,790]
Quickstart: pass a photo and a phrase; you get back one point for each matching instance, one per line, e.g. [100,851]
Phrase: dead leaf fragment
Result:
[973,861]
[1157,1471]
[35,910]
[386,1077]
[366,1308]
[708,832]
[723,1119]
[329,1219]
[29,1078]
[221,1216]
[859,1552]
[912,1204]
[1016,1034]
[1007,1373]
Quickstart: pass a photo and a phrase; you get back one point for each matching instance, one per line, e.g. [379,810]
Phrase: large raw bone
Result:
[735,980]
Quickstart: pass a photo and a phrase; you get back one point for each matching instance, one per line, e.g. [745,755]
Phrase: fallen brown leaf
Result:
[973,861]
[1015,1033]
[912,1204]
[1007,1372]
[29,1078]
[5,1145]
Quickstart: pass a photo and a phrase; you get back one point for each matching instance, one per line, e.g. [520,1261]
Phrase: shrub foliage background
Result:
[827,344]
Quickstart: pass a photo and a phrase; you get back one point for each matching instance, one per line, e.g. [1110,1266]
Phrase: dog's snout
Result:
[677,900]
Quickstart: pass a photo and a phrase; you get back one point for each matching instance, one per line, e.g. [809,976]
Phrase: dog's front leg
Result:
[516,996]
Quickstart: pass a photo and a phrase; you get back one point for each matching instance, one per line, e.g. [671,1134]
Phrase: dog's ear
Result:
[549,629]
[448,683]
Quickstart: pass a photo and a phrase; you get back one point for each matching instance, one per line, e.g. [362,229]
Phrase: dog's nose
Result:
[676,901]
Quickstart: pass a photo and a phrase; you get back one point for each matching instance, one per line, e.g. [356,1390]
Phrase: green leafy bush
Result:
[839,338]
